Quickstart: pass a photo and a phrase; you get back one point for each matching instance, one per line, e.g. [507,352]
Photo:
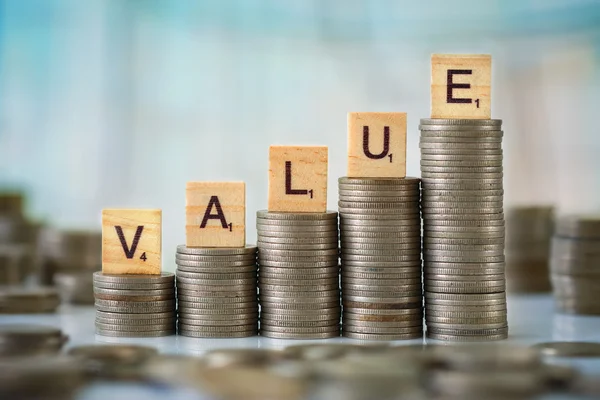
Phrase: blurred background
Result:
[118,103]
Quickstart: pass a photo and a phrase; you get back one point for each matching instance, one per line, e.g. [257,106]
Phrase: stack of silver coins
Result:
[380,231]
[30,340]
[216,291]
[575,264]
[28,300]
[528,234]
[463,229]
[135,305]
[298,275]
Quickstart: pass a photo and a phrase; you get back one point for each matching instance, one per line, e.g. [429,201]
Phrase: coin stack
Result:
[28,300]
[30,340]
[135,305]
[575,264]
[528,234]
[216,291]
[298,275]
[463,229]
[380,230]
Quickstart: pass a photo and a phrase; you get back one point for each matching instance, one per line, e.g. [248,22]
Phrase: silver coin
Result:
[297,241]
[297,222]
[461,152]
[136,328]
[264,214]
[463,259]
[387,337]
[216,251]
[224,334]
[298,279]
[310,330]
[300,260]
[190,259]
[460,172]
[328,317]
[432,219]
[368,213]
[351,220]
[460,315]
[407,181]
[459,146]
[380,265]
[298,324]
[285,292]
[457,226]
[394,234]
[427,122]
[463,164]
[460,249]
[221,323]
[136,322]
[474,194]
[332,263]
[448,278]
[298,247]
[399,206]
[476,298]
[459,308]
[165,277]
[220,270]
[462,184]
[347,252]
[220,296]
[472,204]
[113,333]
[215,276]
[210,328]
[461,241]
[301,228]
[369,312]
[134,286]
[400,287]
[380,199]
[364,278]
[440,137]
[414,280]
[378,244]
[467,329]
[134,307]
[385,192]
[269,307]
[383,259]
[487,322]
[135,316]
[383,331]
[352,269]
[462,338]
[211,311]
[291,287]
[328,235]
[280,335]
[217,282]
[461,272]
[396,298]
[299,282]
[313,314]
[297,253]
[135,293]
[313,273]
[244,303]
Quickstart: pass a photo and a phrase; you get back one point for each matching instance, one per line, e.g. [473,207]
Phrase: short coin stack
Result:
[135,305]
[528,235]
[380,230]
[463,229]
[575,264]
[298,275]
[216,291]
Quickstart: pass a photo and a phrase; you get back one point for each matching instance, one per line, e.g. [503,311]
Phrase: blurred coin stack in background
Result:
[217,292]
[575,264]
[28,300]
[18,240]
[380,231]
[298,275]
[528,234]
[30,340]
[68,259]
[463,229]
[135,305]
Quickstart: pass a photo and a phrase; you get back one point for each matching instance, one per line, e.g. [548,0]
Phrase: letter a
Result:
[214,201]
[136,238]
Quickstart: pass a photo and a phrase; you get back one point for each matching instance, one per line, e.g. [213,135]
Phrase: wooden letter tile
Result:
[215,214]
[131,241]
[298,178]
[460,86]
[376,145]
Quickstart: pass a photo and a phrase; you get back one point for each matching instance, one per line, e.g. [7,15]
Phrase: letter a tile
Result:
[376,145]
[215,214]
[460,86]
[131,241]
[298,178]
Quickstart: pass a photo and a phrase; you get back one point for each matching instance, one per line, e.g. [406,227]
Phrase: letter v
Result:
[138,233]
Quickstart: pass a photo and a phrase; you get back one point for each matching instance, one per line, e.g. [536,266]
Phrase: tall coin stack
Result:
[463,229]
[135,305]
[298,275]
[528,235]
[216,291]
[575,264]
[380,230]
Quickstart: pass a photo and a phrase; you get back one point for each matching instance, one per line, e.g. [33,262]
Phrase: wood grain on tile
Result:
[461,86]
[376,145]
[131,241]
[298,178]
[215,214]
